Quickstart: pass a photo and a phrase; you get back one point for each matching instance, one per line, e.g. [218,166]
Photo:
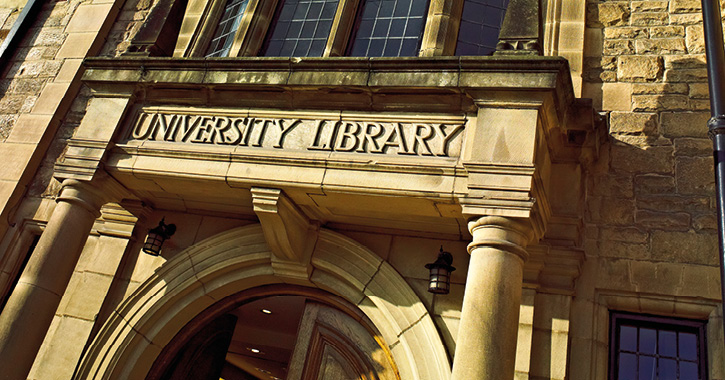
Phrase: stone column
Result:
[30,309]
[486,346]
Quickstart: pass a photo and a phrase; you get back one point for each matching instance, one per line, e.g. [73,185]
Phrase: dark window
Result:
[656,348]
[480,24]
[389,28]
[223,38]
[301,28]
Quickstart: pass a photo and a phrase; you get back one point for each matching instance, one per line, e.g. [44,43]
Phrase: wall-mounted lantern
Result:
[440,273]
[156,237]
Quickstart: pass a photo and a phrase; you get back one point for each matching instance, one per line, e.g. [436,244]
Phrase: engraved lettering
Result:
[262,131]
[366,137]
[190,127]
[206,131]
[422,139]
[136,133]
[285,131]
[369,138]
[348,140]
[447,137]
[318,135]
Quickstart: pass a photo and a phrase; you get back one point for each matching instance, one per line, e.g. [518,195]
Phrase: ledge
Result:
[525,72]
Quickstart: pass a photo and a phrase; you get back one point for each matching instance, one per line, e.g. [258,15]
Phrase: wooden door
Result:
[203,357]
[331,345]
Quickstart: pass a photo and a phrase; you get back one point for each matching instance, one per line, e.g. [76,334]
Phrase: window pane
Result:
[647,368]
[667,344]
[480,23]
[627,367]
[667,369]
[381,25]
[223,38]
[688,346]
[628,338]
[647,341]
[688,371]
[303,27]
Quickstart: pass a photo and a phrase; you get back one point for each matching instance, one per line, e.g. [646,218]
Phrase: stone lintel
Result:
[291,236]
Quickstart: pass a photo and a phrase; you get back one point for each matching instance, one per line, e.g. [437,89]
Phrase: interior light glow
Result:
[266,311]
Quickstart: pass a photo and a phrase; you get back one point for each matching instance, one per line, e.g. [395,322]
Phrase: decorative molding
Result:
[119,219]
[291,236]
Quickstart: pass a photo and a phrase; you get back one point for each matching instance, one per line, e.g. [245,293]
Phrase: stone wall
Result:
[651,240]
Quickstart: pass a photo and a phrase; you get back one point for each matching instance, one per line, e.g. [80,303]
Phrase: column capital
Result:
[501,233]
[91,195]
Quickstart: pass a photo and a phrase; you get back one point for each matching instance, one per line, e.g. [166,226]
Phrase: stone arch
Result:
[239,259]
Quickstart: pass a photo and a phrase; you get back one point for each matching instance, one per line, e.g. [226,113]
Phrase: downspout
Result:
[23,23]
[715,53]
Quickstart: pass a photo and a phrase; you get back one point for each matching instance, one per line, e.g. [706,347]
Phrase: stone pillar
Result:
[30,309]
[486,346]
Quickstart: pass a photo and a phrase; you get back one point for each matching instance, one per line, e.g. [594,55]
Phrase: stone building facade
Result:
[569,175]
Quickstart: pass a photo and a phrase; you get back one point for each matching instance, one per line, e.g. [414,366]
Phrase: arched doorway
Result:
[277,332]
[239,260]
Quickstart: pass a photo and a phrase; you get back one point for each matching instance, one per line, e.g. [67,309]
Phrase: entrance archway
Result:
[238,260]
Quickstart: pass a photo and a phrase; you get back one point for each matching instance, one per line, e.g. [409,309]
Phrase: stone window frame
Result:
[14,263]
[668,306]
[440,32]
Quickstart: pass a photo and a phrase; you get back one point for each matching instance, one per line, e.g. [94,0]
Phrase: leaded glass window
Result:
[389,28]
[301,28]
[480,24]
[223,38]
[655,348]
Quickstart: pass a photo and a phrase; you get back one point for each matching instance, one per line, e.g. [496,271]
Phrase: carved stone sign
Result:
[416,135]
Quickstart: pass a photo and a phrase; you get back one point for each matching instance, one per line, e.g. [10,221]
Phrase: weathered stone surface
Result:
[617,96]
[649,18]
[685,6]
[618,47]
[700,104]
[699,91]
[654,184]
[660,46]
[649,6]
[630,159]
[693,146]
[668,202]
[705,222]
[671,221]
[684,247]
[685,19]
[624,234]
[694,175]
[690,61]
[659,88]
[630,122]
[659,102]
[695,39]
[614,13]
[612,185]
[639,68]
[624,250]
[686,75]
[667,31]
[610,210]
[615,33]
[684,124]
